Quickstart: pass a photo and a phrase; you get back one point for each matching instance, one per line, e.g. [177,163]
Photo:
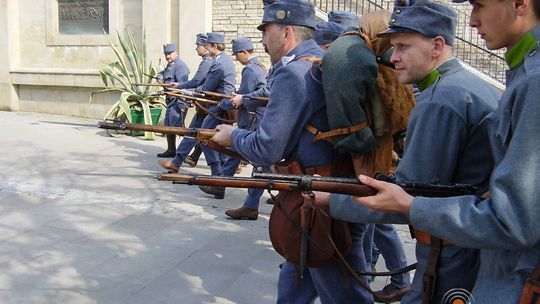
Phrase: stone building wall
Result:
[239,18]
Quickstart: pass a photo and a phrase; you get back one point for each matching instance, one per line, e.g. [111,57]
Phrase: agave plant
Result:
[131,68]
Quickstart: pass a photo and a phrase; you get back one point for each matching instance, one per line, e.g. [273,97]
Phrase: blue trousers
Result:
[332,284]
[457,268]
[389,245]
[254,195]
[175,115]
[213,158]
[187,143]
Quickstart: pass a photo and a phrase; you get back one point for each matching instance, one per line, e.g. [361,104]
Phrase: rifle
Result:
[306,183]
[216,96]
[203,136]
[153,84]
[189,97]
[221,96]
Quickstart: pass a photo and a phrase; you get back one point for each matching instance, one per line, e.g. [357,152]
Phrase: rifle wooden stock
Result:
[289,182]
[189,97]
[221,96]
[203,136]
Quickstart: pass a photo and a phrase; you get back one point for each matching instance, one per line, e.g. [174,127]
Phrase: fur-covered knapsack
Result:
[365,119]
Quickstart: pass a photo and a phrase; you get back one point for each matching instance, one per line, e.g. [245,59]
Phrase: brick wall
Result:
[239,18]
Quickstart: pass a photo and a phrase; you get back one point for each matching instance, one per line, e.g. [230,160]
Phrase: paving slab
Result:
[83,219]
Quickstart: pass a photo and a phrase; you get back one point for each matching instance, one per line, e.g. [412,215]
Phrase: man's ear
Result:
[438,46]
[521,6]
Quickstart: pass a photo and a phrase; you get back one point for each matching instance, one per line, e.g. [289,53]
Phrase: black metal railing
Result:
[468,46]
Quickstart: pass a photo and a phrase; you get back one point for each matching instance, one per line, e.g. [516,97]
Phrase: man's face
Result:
[212,49]
[170,57]
[201,50]
[412,56]
[274,39]
[495,21]
[242,57]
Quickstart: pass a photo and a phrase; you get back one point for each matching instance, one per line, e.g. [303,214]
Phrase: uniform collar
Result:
[286,59]
[444,68]
[252,59]
[517,53]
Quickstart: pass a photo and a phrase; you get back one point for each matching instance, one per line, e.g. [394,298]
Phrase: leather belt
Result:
[424,238]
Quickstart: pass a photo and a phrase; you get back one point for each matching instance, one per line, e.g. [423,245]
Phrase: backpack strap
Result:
[326,135]
[315,61]
[361,34]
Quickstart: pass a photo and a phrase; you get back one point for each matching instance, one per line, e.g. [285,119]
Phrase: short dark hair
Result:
[302,33]
[219,46]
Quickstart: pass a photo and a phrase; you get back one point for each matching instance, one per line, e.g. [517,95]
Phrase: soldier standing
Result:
[175,71]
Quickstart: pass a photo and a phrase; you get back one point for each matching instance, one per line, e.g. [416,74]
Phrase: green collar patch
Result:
[430,79]
[516,54]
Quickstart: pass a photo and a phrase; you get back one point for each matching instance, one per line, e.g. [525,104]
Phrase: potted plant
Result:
[137,104]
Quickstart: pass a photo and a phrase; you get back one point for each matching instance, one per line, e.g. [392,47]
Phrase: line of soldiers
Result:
[461,131]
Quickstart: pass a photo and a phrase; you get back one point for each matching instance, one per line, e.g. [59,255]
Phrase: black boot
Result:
[217,192]
[171,147]
[192,159]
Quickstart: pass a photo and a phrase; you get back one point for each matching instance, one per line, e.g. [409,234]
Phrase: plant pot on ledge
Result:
[137,117]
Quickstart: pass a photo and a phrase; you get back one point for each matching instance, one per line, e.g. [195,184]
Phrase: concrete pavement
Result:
[83,220]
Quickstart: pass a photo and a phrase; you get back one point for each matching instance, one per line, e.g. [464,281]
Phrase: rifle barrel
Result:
[120,125]
[203,100]
[415,189]
[153,84]
[220,95]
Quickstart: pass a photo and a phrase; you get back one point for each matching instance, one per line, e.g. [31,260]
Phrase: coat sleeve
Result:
[214,76]
[198,78]
[282,119]
[509,219]
[343,207]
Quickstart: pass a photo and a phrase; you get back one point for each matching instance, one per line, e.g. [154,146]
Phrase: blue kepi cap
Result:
[215,38]
[348,19]
[201,39]
[426,17]
[327,32]
[291,12]
[241,44]
[169,48]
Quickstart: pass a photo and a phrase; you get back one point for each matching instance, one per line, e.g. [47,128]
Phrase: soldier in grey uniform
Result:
[175,71]
[504,224]
[297,99]
[447,140]
[250,114]
[189,143]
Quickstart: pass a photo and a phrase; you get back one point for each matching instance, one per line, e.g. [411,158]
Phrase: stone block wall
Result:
[239,18]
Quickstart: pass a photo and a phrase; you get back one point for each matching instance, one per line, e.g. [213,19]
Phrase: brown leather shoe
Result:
[190,161]
[391,293]
[243,213]
[217,192]
[169,165]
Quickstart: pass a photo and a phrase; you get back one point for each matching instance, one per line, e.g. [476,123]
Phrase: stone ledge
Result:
[88,78]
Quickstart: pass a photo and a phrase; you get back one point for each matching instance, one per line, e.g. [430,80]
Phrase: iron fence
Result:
[468,46]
